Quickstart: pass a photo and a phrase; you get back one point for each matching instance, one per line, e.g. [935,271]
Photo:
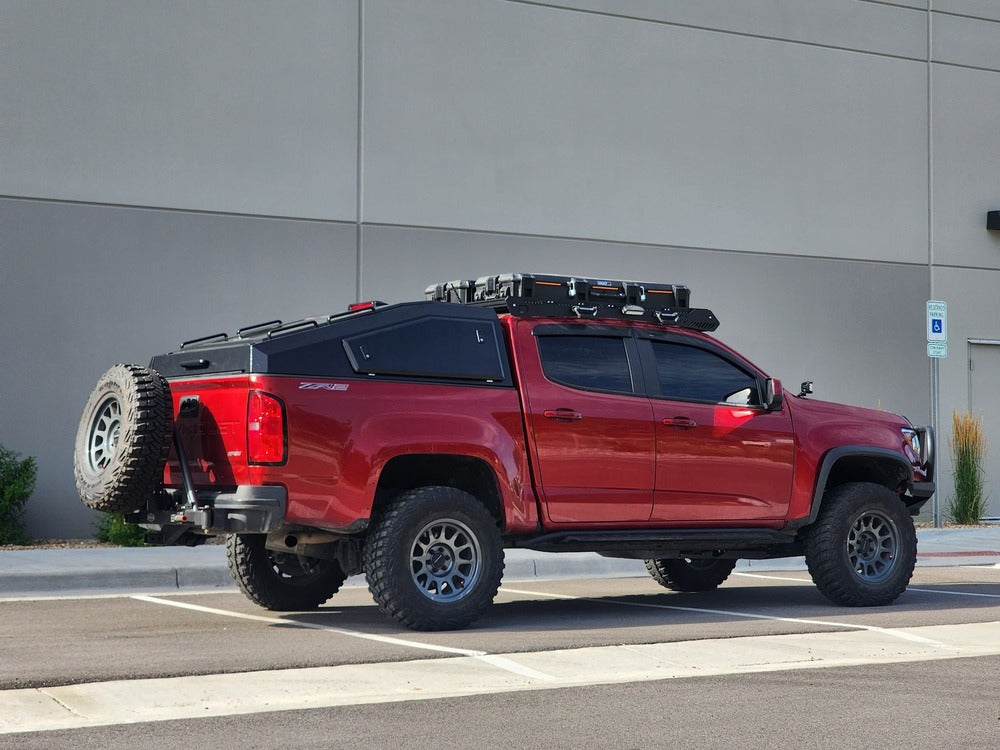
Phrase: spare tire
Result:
[122,442]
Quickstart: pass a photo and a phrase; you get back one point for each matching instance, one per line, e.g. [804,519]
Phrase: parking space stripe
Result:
[901,634]
[506,664]
[773,578]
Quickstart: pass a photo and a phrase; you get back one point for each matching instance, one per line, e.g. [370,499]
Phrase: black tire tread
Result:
[388,542]
[136,472]
[677,574]
[825,546]
[251,567]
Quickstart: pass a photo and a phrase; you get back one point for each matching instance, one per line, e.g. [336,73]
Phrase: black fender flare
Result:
[880,457]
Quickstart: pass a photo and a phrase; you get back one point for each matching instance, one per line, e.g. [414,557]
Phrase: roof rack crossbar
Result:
[257,328]
[204,339]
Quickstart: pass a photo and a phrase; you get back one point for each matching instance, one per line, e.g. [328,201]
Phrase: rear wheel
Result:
[122,441]
[434,559]
[862,548]
[281,581]
[690,574]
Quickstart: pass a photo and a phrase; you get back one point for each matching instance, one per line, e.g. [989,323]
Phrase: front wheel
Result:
[862,549]
[434,559]
[281,581]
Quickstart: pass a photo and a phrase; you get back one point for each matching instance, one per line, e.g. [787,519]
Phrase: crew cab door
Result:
[721,457]
[589,421]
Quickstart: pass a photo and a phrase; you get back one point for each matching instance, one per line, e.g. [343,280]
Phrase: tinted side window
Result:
[693,374]
[589,362]
[430,347]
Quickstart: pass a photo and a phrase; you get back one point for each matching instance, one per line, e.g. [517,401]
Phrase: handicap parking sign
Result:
[937,328]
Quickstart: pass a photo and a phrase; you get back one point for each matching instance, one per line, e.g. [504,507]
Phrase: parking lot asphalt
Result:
[28,573]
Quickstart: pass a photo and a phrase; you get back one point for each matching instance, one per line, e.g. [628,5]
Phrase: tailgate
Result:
[210,422]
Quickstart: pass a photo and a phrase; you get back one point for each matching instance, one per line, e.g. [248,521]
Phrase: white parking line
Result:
[500,662]
[773,578]
[902,634]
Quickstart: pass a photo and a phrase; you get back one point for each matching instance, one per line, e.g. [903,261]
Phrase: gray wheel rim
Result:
[873,546]
[445,560]
[105,431]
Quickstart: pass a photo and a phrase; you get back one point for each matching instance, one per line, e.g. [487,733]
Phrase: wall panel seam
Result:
[634,243]
[173,209]
[727,32]
[971,17]
[359,167]
[966,66]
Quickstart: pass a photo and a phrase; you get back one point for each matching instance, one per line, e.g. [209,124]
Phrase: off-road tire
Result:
[123,440]
[690,574]
[281,581]
[434,559]
[862,548]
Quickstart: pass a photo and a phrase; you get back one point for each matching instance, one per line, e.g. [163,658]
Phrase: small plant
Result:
[968,452]
[17,483]
[114,529]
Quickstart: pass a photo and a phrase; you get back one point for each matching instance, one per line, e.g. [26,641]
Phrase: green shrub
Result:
[968,453]
[114,529]
[17,483]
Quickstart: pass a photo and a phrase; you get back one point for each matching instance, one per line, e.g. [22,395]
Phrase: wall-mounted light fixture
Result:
[993,219]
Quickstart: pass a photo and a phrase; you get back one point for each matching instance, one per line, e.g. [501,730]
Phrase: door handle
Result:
[681,423]
[562,415]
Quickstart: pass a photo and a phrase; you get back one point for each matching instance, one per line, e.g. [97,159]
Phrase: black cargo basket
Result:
[535,295]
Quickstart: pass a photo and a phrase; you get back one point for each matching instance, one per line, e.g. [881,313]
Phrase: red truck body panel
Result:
[342,433]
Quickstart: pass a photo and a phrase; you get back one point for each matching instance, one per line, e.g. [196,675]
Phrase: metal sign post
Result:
[937,349]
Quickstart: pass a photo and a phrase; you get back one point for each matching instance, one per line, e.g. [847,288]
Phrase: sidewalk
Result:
[118,570]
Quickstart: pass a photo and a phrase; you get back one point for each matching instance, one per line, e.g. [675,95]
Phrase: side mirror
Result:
[773,395]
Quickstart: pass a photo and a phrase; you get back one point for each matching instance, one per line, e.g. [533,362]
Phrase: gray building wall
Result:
[814,171]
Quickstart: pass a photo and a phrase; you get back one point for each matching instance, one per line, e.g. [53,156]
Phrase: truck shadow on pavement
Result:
[724,612]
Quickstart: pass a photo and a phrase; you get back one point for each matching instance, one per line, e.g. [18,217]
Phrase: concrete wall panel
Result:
[246,107]
[85,287]
[966,110]
[536,120]
[967,41]
[981,9]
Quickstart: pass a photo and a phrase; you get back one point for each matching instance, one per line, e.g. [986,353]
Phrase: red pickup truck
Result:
[414,442]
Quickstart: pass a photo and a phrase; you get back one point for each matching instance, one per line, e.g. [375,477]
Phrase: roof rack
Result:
[537,295]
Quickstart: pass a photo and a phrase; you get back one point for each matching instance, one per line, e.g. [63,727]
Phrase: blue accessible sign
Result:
[937,328]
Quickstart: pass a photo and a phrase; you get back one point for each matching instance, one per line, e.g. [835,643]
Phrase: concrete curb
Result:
[109,571]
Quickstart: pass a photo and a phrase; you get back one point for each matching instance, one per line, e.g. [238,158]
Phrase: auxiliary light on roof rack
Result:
[536,295]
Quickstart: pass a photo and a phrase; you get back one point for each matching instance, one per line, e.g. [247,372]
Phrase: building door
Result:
[984,399]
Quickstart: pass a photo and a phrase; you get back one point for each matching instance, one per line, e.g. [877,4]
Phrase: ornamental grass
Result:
[968,453]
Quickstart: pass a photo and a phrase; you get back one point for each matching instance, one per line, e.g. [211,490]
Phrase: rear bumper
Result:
[245,510]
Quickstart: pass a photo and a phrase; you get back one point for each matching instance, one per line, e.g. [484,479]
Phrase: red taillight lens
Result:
[265,429]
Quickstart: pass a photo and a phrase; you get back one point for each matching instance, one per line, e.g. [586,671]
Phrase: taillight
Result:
[266,442]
